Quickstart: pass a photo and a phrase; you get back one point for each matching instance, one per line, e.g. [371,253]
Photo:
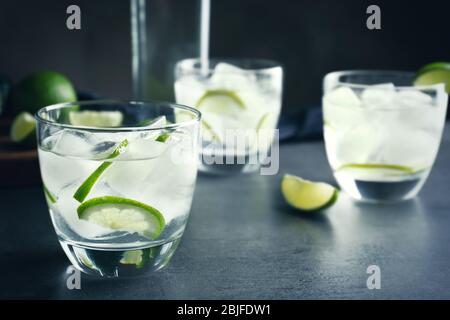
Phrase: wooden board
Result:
[19,166]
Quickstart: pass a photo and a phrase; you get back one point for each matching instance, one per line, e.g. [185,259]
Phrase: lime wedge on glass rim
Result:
[434,73]
[307,195]
[123,214]
[84,189]
[23,127]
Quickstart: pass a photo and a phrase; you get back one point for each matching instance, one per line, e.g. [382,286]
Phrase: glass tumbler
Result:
[382,133]
[118,179]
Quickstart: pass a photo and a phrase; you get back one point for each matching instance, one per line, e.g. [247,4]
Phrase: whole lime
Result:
[41,89]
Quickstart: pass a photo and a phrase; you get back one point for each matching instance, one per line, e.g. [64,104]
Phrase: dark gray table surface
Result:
[242,241]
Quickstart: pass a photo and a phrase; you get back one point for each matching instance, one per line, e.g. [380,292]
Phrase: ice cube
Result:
[344,97]
[380,95]
[139,149]
[342,109]
[67,206]
[75,143]
[169,185]
[60,171]
[188,90]
[231,77]
[127,174]
[416,110]
[410,146]
[358,145]
[413,98]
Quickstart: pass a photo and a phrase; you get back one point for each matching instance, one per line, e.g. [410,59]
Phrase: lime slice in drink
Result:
[49,195]
[123,215]
[263,122]
[163,137]
[263,130]
[208,132]
[84,189]
[136,257]
[374,171]
[23,128]
[307,195]
[96,118]
[434,73]
[220,101]
[132,257]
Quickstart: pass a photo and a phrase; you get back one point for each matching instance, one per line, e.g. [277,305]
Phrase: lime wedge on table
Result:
[124,215]
[307,195]
[23,128]
[96,118]
[434,73]
[84,189]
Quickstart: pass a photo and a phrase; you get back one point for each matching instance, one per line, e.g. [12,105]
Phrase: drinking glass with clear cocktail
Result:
[240,102]
[118,179]
[381,133]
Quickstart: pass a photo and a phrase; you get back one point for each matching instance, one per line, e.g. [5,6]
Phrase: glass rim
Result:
[189,64]
[337,74]
[195,112]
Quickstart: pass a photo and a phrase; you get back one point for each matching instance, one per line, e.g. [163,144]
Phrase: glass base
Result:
[380,191]
[114,263]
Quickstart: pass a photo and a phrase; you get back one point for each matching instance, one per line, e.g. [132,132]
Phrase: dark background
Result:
[309,37]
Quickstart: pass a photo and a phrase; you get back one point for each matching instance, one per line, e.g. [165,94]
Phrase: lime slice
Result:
[84,189]
[132,257]
[220,101]
[23,127]
[96,118]
[136,257]
[50,196]
[208,132]
[392,168]
[87,262]
[374,172]
[307,195]
[434,73]
[263,122]
[163,137]
[124,215]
